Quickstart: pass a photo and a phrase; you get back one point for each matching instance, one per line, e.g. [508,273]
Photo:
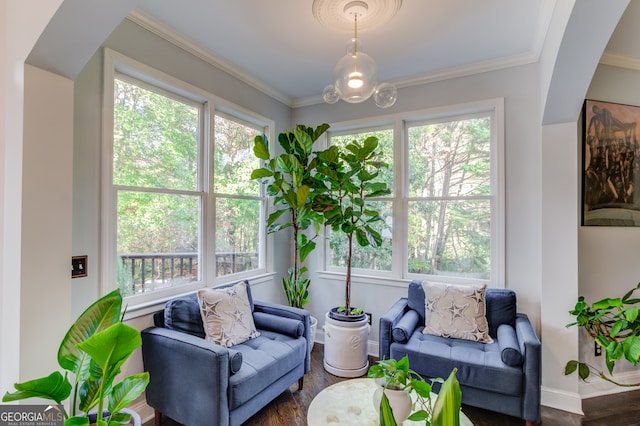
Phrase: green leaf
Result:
[583,371]
[54,387]
[631,313]
[125,392]
[111,347]
[261,173]
[302,195]
[570,367]
[386,414]
[274,216]
[306,249]
[632,349]
[99,316]
[260,147]
[77,421]
[617,326]
[446,409]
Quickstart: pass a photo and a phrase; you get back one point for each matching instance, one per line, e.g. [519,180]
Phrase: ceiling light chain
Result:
[355,75]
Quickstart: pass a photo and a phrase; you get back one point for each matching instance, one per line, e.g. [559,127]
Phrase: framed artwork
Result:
[611,168]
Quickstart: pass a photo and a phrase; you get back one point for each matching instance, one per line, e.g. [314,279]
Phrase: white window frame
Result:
[116,64]
[399,273]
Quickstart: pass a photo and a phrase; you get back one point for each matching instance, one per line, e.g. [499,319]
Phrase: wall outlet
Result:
[368,314]
[597,351]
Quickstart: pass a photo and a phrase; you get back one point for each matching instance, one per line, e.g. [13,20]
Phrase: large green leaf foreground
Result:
[93,350]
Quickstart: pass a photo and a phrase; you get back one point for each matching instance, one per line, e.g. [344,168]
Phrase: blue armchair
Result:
[199,383]
[503,376]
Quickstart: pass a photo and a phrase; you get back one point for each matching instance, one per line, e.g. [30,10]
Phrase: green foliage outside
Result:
[158,170]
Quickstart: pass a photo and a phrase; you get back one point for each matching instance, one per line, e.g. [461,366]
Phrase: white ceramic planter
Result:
[345,347]
[399,400]
[313,327]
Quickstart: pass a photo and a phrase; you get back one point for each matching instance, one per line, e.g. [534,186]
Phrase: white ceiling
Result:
[280,45]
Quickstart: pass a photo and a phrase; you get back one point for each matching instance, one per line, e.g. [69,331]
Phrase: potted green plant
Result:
[349,176]
[290,179]
[93,350]
[615,325]
[396,378]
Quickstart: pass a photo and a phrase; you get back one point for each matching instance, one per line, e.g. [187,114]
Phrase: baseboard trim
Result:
[600,387]
[145,412]
[561,400]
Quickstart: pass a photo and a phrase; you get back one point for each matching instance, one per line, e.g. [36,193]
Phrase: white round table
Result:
[351,403]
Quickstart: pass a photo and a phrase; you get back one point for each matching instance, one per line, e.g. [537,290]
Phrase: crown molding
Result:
[619,60]
[172,36]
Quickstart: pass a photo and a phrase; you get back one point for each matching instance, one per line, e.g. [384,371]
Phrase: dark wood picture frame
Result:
[610,164]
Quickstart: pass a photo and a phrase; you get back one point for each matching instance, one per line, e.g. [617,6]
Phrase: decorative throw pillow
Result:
[456,311]
[226,315]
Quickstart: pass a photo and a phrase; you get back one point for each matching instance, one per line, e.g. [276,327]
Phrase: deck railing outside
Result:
[143,272]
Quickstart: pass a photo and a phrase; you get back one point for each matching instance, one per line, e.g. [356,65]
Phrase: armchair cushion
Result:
[509,346]
[456,311]
[226,315]
[405,326]
[288,326]
[183,314]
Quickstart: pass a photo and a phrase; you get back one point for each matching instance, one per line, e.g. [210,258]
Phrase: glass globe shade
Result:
[385,95]
[355,77]
[330,95]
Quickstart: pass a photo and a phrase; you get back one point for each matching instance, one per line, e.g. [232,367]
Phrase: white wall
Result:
[21,23]
[608,265]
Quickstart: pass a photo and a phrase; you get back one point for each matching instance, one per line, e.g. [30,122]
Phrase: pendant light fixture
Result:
[355,76]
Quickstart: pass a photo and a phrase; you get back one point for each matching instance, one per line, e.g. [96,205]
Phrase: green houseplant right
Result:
[93,350]
[290,179]
[614,323]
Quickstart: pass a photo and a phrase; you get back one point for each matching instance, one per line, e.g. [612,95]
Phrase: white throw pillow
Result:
[456,311]
[226,315]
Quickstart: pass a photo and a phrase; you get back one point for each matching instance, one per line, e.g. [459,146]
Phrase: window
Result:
[181,209]
[444,218]
[372,258]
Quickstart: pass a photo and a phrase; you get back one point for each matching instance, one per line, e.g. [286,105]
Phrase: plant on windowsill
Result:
[349,176]
[93,350]
[614,323]
[398,381]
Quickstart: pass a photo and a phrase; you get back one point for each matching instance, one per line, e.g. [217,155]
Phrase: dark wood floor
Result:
[290,408]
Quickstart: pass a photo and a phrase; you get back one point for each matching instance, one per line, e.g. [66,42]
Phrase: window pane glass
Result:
[234,158]
[385,147]
[237,235]
[376,258]
[450,159]
[157,241]
[450,238]
[155,139]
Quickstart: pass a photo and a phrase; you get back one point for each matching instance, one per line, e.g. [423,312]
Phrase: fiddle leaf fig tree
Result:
[350,178]
[290,179]
[615,325]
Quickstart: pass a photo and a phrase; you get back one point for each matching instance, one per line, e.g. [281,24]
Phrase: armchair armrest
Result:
[292,313]
[387,322]
[531,350]
[181,364]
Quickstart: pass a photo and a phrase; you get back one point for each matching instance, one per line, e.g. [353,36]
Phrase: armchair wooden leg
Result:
[300,383]
[158,417]
[528,423]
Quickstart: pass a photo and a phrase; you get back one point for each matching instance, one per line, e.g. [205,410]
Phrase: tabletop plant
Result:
[444,411]
[615,325]
[350,178]
[93,350]
[290,179]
